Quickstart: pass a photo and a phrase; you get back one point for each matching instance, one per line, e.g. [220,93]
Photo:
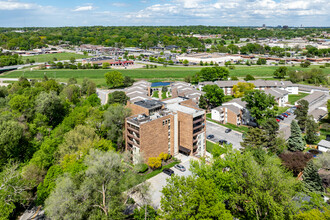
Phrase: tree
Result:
[140,213]
[71,93]
[12,144]
[242,88]
[105,65]
[295,161]
[314,214]
[281,72]
[98,194]
[13,189]
[261,61]
[202,103]
[312,129]
[50,104]
[117,97]
[114,120]
[128,81]
[94,100]
[185,62]
[72,60]
[77,142]
[273,142]
[251,190]
[311,178]
[214,96]
[88,87]
[114,79]
[72,81]
[295,141]
[301,113]
[249,77]
[154,162]
[323,161]
[192,198]
[305,64]
[260,105]
[213,73]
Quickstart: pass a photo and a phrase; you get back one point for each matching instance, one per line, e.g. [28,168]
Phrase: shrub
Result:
[143,168]
[154,162]
[164,156]
[231,67]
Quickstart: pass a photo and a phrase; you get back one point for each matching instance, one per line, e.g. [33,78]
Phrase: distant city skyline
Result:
[45,13]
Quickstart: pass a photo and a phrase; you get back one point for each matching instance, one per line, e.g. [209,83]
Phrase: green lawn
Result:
[209,146]
[164,96]
[147,176]
[50,57]
[281,110]
[155,94]
[294,98]
[159,74]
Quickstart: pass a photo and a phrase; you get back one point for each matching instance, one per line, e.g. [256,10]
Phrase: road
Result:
[218,131]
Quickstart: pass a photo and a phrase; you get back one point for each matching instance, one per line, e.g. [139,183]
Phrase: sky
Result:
[46,13]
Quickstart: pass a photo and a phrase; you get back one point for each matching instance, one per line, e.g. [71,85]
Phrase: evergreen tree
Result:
[295,142]
[311,178]
[301,113]
[311,131]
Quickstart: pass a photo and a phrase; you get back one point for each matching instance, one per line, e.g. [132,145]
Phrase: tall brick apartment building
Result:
[171,126]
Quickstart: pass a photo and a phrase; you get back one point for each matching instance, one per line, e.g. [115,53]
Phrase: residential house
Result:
[314,98]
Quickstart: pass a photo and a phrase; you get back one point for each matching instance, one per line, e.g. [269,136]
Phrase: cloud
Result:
[84,8]
[16,5]
[233,12]
[120,4]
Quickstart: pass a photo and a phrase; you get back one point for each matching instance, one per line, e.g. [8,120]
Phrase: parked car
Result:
[168,171]
[222,142]
[180,167]
[280,117]
[285,115]
[227,130]
[210,136]
[287,112]
[278,120]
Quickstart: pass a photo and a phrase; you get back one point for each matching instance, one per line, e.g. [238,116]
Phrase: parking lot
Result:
[233,137]
[159,181]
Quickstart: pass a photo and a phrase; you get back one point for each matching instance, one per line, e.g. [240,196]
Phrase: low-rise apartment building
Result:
[281,96]
[314,98]
[171,127]
[233,112]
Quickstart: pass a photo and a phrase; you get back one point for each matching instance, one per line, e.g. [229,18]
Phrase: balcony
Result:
[198,126]
[133,136]
[133,142]
[133,129]
[198,120]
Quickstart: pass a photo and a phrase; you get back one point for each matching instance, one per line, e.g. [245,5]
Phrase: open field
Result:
[159,74]
[50,57]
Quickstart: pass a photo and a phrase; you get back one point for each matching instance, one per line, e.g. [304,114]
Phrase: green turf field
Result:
[50,57]
[158,74]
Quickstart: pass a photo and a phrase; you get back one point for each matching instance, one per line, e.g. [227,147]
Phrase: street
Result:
[218,131]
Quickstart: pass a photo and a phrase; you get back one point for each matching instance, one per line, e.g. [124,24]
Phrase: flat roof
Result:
[177,107]
[149,104]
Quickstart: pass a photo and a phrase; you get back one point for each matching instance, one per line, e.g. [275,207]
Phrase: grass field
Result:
[159,74]
[294,98]
[50,57]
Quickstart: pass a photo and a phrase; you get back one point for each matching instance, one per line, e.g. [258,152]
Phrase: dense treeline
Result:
[7,59]
[142,36]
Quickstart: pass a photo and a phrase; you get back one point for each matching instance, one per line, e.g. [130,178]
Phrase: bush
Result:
[143,168]
[164,156]
[154,162]
[231,67]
